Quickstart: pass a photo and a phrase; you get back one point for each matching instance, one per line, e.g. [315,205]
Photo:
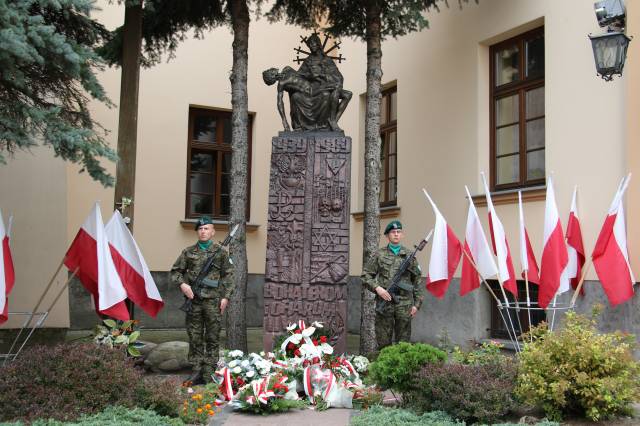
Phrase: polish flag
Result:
[89,252]
[527,258]
[133,270]
[7,273]
[575,246]
[506,274]
[610,255]
[477,247]
[445,255]
[554,274]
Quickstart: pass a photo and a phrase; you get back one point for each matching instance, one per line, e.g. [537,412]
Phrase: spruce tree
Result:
[48,78]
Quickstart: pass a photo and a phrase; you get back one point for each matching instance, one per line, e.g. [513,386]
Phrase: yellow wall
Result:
[443,115]
[443,125]
[32,189]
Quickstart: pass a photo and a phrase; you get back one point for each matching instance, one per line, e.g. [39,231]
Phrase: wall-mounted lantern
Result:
[610,48]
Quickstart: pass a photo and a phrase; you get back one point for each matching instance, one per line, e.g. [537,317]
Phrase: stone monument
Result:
[307,263]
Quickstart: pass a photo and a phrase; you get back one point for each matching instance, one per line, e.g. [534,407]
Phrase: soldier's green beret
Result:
[204,220]
[394,224]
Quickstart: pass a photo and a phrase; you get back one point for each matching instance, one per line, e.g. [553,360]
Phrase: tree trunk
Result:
[372,143]
[128,116]
[236,317]
[128,112]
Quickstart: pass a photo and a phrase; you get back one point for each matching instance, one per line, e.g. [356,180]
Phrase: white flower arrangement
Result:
[236,354]
[360,363]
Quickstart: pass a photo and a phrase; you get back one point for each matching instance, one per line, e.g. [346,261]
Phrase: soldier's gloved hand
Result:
[413,311]
[186,290]
[383,293]
[223,305]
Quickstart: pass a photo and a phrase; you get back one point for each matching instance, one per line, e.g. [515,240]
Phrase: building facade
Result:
[505,87]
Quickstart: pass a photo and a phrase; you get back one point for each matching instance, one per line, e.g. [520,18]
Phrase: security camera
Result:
[610,14]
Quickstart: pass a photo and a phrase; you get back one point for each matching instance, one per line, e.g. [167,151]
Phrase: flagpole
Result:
[514,338]
[504,295]
[523,244]
[35,309]
[553,316]
[579,287]
[506,301]
[46,313]
[526,284]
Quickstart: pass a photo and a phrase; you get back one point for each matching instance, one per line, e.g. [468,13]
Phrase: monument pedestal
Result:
[307,263]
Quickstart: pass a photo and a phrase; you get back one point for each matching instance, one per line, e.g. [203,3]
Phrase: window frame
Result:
[219,149]
[498,329]
[519,88]
[387,127]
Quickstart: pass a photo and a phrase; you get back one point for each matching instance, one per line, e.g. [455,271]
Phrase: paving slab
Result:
[304,417]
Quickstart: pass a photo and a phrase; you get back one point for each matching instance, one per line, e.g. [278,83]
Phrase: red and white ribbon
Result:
[348,364]
[321,377]
[280,364]
[227,388]
[301,325]
[306,382]
[330,379]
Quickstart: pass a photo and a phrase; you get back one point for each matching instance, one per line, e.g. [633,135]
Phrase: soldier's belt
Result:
[210,283]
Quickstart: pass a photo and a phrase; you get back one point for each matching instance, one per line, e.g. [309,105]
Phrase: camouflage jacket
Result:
[219,281]
[382,266]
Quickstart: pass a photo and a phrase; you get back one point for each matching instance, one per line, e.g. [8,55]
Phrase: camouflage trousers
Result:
[203,328]
[394,324]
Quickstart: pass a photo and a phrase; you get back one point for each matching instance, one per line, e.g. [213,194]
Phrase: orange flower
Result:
[208,406]
[211,412]
[199,410]
[194,397]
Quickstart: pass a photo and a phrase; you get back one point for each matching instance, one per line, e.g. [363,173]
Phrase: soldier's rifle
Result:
[197,285]
[395,285]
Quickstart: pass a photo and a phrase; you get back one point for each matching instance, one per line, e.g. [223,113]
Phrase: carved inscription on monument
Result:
[308,234]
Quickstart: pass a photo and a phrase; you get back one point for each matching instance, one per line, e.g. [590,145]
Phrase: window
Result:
[209,163]
[519,319]
[388,149]
[517,111]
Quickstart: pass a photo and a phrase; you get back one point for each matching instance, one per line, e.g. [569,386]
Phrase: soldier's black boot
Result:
[195,378]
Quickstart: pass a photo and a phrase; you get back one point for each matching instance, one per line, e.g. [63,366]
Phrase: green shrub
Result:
[381,416]
[66,381]
[395,365]
[116,416]
[483,354]
[161,395]
[577,370]
[473,393]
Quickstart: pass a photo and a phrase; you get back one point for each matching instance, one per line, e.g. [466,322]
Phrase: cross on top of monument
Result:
[305,40]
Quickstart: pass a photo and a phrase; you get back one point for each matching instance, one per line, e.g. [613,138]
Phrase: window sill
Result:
[510,196]
[385,213]
[218,225]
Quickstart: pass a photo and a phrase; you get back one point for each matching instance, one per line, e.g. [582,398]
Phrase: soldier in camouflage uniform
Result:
[377,274]
[209,302]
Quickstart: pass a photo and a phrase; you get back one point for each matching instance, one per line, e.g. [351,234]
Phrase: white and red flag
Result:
[527,258]
[445,254]
[133,270]
[7,273]
[477,247]
[554,275]
[90,254]
[610,255]
[506,274]
[575,246]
